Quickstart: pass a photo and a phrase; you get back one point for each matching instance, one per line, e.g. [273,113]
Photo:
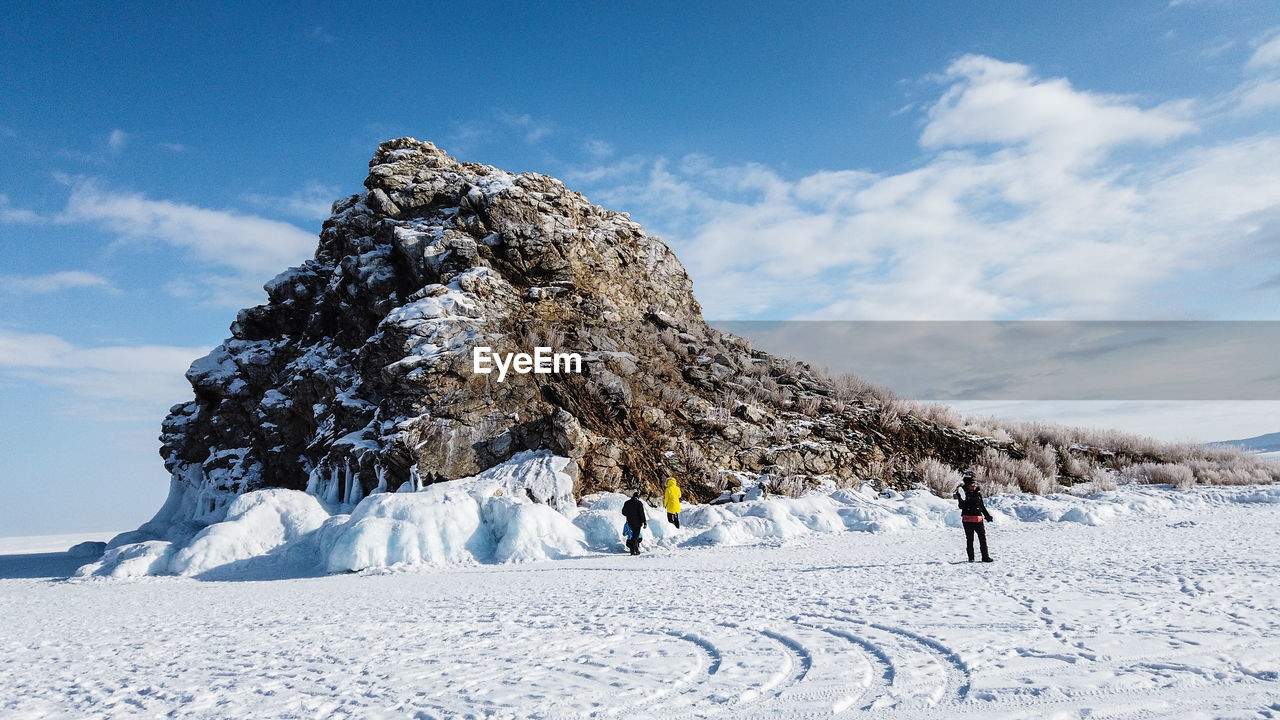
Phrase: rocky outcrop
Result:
[357,376]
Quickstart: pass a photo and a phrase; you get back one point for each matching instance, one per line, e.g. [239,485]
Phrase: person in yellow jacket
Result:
[672,501]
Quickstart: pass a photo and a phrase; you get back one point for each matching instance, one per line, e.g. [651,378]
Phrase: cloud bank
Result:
[53,282]
[1033,199]
[108,383]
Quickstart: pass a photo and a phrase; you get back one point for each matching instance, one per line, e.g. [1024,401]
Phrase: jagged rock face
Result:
[357,375]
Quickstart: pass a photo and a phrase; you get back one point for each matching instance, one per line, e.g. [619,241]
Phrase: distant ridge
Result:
[1260,444]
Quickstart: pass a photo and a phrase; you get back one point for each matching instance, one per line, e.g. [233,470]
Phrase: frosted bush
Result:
[1102,479]
[888,420]
[998,473]
[1230,471]
[1045,459]
[1151,473]
[936,413]
[1076,466]
[940,478]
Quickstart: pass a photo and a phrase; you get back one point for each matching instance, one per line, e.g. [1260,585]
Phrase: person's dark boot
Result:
[987,559]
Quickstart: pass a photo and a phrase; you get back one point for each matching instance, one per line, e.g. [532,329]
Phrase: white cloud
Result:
[53,282]
[1267,54]
[533,129]
[10,215]
[1020,211]
[1260,90]
[111,382]
[117,141]
[240,252]
[989,101]
[598,149]
[312,202]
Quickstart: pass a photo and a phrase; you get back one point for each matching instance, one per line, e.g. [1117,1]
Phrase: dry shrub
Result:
[789,485]
[821,374]
[876,470]
[852,388]
[782,398]
[1102,479]
[987,427]
[778,433]
[936,413]
[809,405]
[1075,466]
[1155,473]
[726,480]
[1045,459]
[940,478]
[669,398]
[997,472]
[715,418]
[888,420]
[1243,470]
[534,337]
[793,368]
[694,462]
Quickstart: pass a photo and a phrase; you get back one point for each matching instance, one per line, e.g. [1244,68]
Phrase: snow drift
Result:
[523,511]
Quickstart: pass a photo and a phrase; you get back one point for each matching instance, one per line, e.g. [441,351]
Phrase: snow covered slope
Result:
[1166,610]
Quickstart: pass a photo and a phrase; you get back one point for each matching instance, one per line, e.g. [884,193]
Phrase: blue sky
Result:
[940,160]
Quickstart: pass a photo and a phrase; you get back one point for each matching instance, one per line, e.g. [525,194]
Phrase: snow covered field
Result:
[1168,610]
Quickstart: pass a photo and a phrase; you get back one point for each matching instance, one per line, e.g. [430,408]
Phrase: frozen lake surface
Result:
[1165,614]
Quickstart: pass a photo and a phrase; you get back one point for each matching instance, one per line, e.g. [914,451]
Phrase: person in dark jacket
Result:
[633,511]
[972,512]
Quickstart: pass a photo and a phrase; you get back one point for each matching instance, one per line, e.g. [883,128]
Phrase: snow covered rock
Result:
[515,512]
[357,377]
[360,375]
[150,557]
[256,523]
[87,549]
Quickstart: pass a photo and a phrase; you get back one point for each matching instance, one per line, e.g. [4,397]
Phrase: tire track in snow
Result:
[874,656]
[921,670]
[794,666]
[1117,703]
[712,652]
